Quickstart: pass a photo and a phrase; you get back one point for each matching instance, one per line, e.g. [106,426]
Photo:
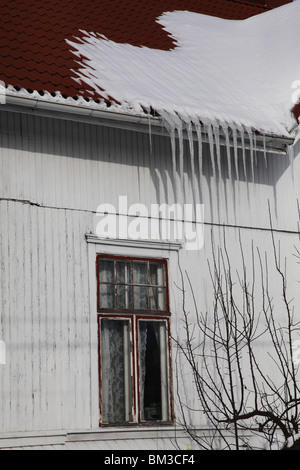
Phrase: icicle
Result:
[241,130]
[291,155]
[188,121]
[170,125]
[211,146]
[150,133]
[191,145]
[249,132]
[177,123]
[174,166]
[197,125]
[174,124]
[218,149]
[265,150]
[181,154]
[226,133]
[255,147]
[235,149]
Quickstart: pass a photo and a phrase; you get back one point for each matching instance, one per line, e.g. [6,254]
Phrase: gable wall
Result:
[53,176]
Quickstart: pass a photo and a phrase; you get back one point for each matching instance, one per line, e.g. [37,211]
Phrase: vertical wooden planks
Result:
[46,296]
[5,330]
[34,317]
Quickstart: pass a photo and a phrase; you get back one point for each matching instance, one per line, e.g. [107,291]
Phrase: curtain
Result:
[153,380]
[143,329]
[115,371]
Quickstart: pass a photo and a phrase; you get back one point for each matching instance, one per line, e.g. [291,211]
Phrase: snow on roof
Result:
[239,72]
[33,48]
[155,57]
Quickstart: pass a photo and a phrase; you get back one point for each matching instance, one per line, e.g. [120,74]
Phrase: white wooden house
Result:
[106,202]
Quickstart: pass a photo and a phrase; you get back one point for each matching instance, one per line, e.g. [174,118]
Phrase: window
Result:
[134,356]
[132,285]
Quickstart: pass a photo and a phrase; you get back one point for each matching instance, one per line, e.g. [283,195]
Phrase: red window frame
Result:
[170,381]
[131,320]
[134,316]
[134,319]
[132,259]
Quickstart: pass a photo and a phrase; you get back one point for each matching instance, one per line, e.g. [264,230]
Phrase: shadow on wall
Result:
[214,177]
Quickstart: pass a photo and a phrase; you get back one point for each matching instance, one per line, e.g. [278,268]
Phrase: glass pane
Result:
[158,298]
[140,272]
[141,298]
[107,270]
[157,274]
[153,378]
[124,297]
[116,385]
[124,272]
[107,296]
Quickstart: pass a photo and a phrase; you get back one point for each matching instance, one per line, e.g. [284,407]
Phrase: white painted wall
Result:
[53,176]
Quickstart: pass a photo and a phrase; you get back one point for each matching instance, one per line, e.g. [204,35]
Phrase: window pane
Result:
[141,298]
[153,368]
[124,272]
[107,270]
[157,274]
[143,284]
[140,272]
[158,298]
[124,297]
[107,296]
[116,385]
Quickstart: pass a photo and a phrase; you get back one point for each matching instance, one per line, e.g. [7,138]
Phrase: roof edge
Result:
[126,120]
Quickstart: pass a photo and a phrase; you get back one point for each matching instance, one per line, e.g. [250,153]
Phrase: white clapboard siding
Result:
[44,318]
[53,176]
[67,164]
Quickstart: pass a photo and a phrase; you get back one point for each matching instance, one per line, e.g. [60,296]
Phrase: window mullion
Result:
[136,368]
[127,374]
[133,341]
[132,288]
[148,287]
[115,284]
[164,371]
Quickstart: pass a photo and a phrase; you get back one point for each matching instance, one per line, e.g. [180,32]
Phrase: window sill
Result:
[144,424]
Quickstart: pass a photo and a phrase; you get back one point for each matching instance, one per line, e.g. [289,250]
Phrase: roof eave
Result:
[122,120]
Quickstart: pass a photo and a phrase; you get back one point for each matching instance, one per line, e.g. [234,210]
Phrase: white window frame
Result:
[128,248]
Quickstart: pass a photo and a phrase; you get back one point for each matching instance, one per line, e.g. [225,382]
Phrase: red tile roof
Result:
[276,3]
[35,54]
